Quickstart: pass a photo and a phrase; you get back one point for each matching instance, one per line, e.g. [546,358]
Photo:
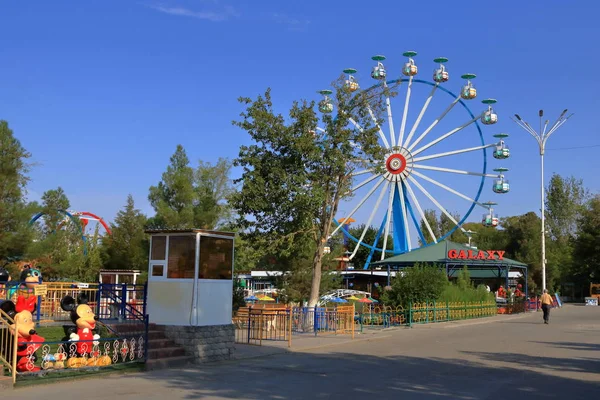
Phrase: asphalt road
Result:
[507,358]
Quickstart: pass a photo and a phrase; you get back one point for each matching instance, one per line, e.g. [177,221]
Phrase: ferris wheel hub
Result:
[398,162]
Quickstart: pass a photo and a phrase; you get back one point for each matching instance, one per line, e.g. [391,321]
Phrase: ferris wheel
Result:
[410,160]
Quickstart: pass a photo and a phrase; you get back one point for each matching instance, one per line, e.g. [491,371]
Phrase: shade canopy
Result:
[451,253]
[337,300]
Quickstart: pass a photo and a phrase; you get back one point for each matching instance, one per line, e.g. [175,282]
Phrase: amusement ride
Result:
[407,163]
[87,223]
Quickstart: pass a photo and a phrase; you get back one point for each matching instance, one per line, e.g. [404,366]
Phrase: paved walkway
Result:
[508,357]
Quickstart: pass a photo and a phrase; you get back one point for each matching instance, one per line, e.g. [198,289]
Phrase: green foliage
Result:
[464,291]
[417,284]
[565,201]
[213,189]
[296,283]
[191,198]
[440,226]
[14,233]
[173,197]
[128,246]
[587,246]
[295,176]
[362,254]
[238,297]
[524,244]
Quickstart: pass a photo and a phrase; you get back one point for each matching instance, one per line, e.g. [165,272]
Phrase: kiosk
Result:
[190,277]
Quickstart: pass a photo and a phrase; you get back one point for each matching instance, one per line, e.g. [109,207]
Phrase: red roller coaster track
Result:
[92,217]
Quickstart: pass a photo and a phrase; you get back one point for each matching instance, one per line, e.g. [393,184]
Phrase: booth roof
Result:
[207,231]
[438,253]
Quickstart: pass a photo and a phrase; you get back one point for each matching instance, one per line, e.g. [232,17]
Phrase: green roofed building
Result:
[482,263]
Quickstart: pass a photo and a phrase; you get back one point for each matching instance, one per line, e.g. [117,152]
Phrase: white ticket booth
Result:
[190,277]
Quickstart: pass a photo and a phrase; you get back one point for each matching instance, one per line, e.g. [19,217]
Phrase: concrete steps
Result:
[162,352]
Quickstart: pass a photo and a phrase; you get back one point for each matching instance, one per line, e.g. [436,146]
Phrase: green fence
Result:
[429,312]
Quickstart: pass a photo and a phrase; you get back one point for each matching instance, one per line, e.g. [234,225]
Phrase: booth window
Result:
[159,247]
[181,257]
[157,270]
[216,258]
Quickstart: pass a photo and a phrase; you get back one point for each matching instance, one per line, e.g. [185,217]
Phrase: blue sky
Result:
[101,92]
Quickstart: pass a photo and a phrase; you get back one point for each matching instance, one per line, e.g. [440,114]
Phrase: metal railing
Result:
[121,301]
[255,324]
[431,312]
[110,301]
[324,320]
[8,346]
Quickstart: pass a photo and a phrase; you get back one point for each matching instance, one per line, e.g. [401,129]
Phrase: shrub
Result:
[417,284]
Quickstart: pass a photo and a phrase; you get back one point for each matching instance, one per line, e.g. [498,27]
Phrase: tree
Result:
[565,199]
[362,252]
[191,198]
[565,202]
[486,237]
[295,176]
[213,189]
[296,283]
[14,233]
[587,245]
[127,248]
[418,284]
[54,201]
[440,226]
[524,244]
[173,197]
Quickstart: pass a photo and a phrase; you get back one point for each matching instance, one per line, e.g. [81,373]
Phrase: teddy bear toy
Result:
[82,353]
[28,341]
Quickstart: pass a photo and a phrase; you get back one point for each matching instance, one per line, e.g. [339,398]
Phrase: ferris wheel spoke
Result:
[362,172]
[381,134]
[404,113]
[366,181]
[404,216]
[421,213]
[389,219]
[388,107]
[368,224]
[362,201]
[453,171]
[433,124]
[418,121]
[450,153]
[422,176]
[444,136]
[434,201]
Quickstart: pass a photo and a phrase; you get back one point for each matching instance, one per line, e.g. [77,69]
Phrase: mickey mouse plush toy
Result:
[85,320]
[28,341]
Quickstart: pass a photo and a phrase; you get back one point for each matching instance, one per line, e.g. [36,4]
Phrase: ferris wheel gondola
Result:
[398,181]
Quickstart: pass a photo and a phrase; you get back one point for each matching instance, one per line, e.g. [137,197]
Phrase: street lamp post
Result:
[542,137]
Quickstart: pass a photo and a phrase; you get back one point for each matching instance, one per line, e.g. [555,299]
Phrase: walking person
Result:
[546,301]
